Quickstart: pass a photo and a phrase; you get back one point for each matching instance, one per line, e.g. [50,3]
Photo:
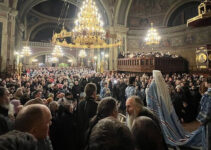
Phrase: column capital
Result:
[13,12]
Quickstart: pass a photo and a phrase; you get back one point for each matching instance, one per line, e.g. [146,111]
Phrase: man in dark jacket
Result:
[86,109]
[63,129]
[16,140]
[6,123]
[96,79]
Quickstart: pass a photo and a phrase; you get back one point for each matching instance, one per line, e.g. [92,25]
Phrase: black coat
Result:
[6,124]
[151,115]
[76,90]
[63,130]
[83,83]
[86,110]
[97,80]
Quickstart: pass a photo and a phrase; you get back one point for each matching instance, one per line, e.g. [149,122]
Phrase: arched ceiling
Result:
[33,13]
[54,8]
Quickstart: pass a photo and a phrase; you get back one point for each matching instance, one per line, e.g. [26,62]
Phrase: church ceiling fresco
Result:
[143,12]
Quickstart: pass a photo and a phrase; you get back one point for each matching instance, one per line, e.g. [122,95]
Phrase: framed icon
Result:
[202,58]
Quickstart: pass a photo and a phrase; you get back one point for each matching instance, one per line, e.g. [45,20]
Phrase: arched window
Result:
[183,13]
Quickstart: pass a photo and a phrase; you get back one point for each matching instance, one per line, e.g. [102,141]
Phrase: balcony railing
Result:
[40,44]
[37,44]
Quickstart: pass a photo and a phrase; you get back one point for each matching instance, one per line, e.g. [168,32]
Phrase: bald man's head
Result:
[34,119]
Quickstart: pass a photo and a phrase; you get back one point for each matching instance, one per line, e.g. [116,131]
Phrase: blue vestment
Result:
[204,117]
[173,132]
[130,91]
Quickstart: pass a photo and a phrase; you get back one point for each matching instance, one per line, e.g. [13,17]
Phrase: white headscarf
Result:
[162,90]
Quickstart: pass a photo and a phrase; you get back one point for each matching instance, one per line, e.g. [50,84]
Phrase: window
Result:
[183,13]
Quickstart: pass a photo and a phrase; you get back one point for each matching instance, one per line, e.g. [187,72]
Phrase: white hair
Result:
[162,90]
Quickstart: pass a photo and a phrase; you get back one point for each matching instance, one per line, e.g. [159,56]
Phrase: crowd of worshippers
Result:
[54,108]
[142,54]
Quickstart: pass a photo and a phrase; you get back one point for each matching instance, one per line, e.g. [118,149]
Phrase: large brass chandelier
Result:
[88,31]
[152,37]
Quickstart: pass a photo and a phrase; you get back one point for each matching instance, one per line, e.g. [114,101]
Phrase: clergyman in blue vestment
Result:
[159,101]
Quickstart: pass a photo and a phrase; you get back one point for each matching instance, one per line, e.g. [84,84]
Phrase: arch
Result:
[29,4]
[173,8]
[103,11]
[108,13]
[48,8]
[122,12]
[46,52]
[74,2]
[124,8]
[127,12]
[41,27]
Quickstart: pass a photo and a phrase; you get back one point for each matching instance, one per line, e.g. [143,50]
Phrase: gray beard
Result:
[129,120]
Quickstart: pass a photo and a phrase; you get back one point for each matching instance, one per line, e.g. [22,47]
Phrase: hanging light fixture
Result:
[88,31]
[82,54]
[152,37]
[54,59]
[26,51]
[57,51]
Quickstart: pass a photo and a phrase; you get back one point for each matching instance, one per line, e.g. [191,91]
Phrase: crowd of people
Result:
[142,54]
[77,108]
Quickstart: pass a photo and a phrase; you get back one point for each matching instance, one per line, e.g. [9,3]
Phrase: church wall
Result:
[179,40]
[169,18]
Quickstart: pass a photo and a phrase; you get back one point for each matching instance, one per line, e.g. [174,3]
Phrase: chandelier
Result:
[88,31]
[26,51]
[57,51]
[82,53]
[152,37]
[54,59]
